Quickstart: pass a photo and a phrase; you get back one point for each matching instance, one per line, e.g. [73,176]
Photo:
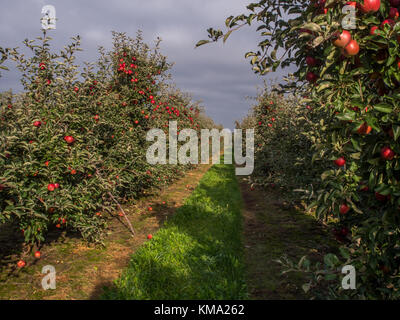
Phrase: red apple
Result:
[352,48]
[340,162]
[344,208]
[387,21]
[373,29]
[351,3]
[393,13]
[69,139]
[371,6]
[387,153]
[364,129]
[149,236]
[37,124]
[311,61]
[311,77]
[343,39]
[21,263]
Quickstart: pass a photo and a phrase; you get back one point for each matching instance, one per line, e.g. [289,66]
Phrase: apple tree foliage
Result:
[73,142]
[356,91]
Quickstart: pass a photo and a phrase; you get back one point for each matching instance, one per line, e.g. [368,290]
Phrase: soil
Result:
[274,228]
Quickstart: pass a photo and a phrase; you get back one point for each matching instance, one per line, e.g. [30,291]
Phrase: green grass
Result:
[198,254]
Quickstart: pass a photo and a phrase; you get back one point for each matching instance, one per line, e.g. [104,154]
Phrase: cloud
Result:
[217,74]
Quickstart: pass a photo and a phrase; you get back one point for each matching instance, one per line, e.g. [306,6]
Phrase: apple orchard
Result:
[329,133]
[73,143]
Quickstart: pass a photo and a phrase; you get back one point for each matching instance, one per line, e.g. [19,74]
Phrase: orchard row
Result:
[330,133]
[73,143]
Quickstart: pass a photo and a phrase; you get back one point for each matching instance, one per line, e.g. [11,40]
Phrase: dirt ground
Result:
[273,228]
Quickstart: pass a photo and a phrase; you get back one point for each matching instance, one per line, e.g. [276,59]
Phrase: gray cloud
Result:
[217,74]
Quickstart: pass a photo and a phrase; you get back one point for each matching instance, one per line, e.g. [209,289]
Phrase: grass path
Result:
[222,244]
[198,254]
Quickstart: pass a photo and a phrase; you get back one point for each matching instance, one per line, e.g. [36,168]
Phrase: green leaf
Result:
[326,174]
[331,260]
[344,252]
[383,107]
[228,20]
[226,36]
[312,26]
[330,276]
[383,189]
[348,116]
[330,60]
[324,85]
[201,42]
[396,131]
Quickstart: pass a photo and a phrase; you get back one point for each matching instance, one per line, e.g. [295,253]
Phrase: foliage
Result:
[283,139]
[74,142]
[359,91]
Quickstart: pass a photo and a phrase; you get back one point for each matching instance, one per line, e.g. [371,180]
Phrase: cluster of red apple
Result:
[122,66]
[343,40]
[128,68]
[273,119]
[387,154]
[22,263]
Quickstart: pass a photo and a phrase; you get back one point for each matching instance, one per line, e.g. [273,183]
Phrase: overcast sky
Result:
[217,74]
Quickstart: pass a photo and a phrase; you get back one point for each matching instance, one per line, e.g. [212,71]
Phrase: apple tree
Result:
[350,72]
